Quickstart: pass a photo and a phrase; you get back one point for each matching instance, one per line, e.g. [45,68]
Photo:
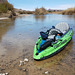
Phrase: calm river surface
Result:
[17,40]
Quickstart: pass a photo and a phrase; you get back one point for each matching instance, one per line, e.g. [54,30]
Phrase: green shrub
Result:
[22,12]
[29,12]
[40,11]
[4,7]
[69,11]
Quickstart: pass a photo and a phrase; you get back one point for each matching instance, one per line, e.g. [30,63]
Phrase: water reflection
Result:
[41,17]
[71,16]
[5,26]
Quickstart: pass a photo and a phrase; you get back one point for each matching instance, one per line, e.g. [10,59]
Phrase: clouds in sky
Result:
[65,6]
[48,4]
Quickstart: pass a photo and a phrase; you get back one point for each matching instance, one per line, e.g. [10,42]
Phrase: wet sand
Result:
[56,65]
[17,43]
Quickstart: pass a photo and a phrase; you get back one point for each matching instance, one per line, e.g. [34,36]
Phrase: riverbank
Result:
[40,11]
[3,17]
[69,11]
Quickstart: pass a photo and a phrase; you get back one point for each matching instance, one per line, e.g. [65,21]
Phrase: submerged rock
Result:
[21,63]
[26,60]
[24,70]
[46,72]
[6,73]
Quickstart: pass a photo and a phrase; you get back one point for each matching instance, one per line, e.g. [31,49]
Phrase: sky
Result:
[48,4]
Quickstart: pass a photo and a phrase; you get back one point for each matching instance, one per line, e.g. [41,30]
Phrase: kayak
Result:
[52,41]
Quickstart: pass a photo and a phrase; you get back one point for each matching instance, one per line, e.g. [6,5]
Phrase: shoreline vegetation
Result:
[8,10]
[70,11]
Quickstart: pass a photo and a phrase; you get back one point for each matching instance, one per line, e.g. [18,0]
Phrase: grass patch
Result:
[70,11]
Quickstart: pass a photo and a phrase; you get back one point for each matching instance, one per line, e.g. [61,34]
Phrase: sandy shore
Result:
[4,18]
[24,15]
[53,66]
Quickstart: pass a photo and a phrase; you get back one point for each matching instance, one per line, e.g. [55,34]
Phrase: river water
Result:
[18,37]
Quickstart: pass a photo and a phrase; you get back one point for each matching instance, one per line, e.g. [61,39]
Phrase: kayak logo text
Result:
[60,44]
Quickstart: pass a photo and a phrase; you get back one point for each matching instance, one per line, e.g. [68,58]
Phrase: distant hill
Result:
[54,10]
[69,11]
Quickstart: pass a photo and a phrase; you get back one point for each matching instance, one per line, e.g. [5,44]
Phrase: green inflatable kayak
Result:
[52,41]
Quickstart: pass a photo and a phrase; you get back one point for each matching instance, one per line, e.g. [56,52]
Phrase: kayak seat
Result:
[63,27]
